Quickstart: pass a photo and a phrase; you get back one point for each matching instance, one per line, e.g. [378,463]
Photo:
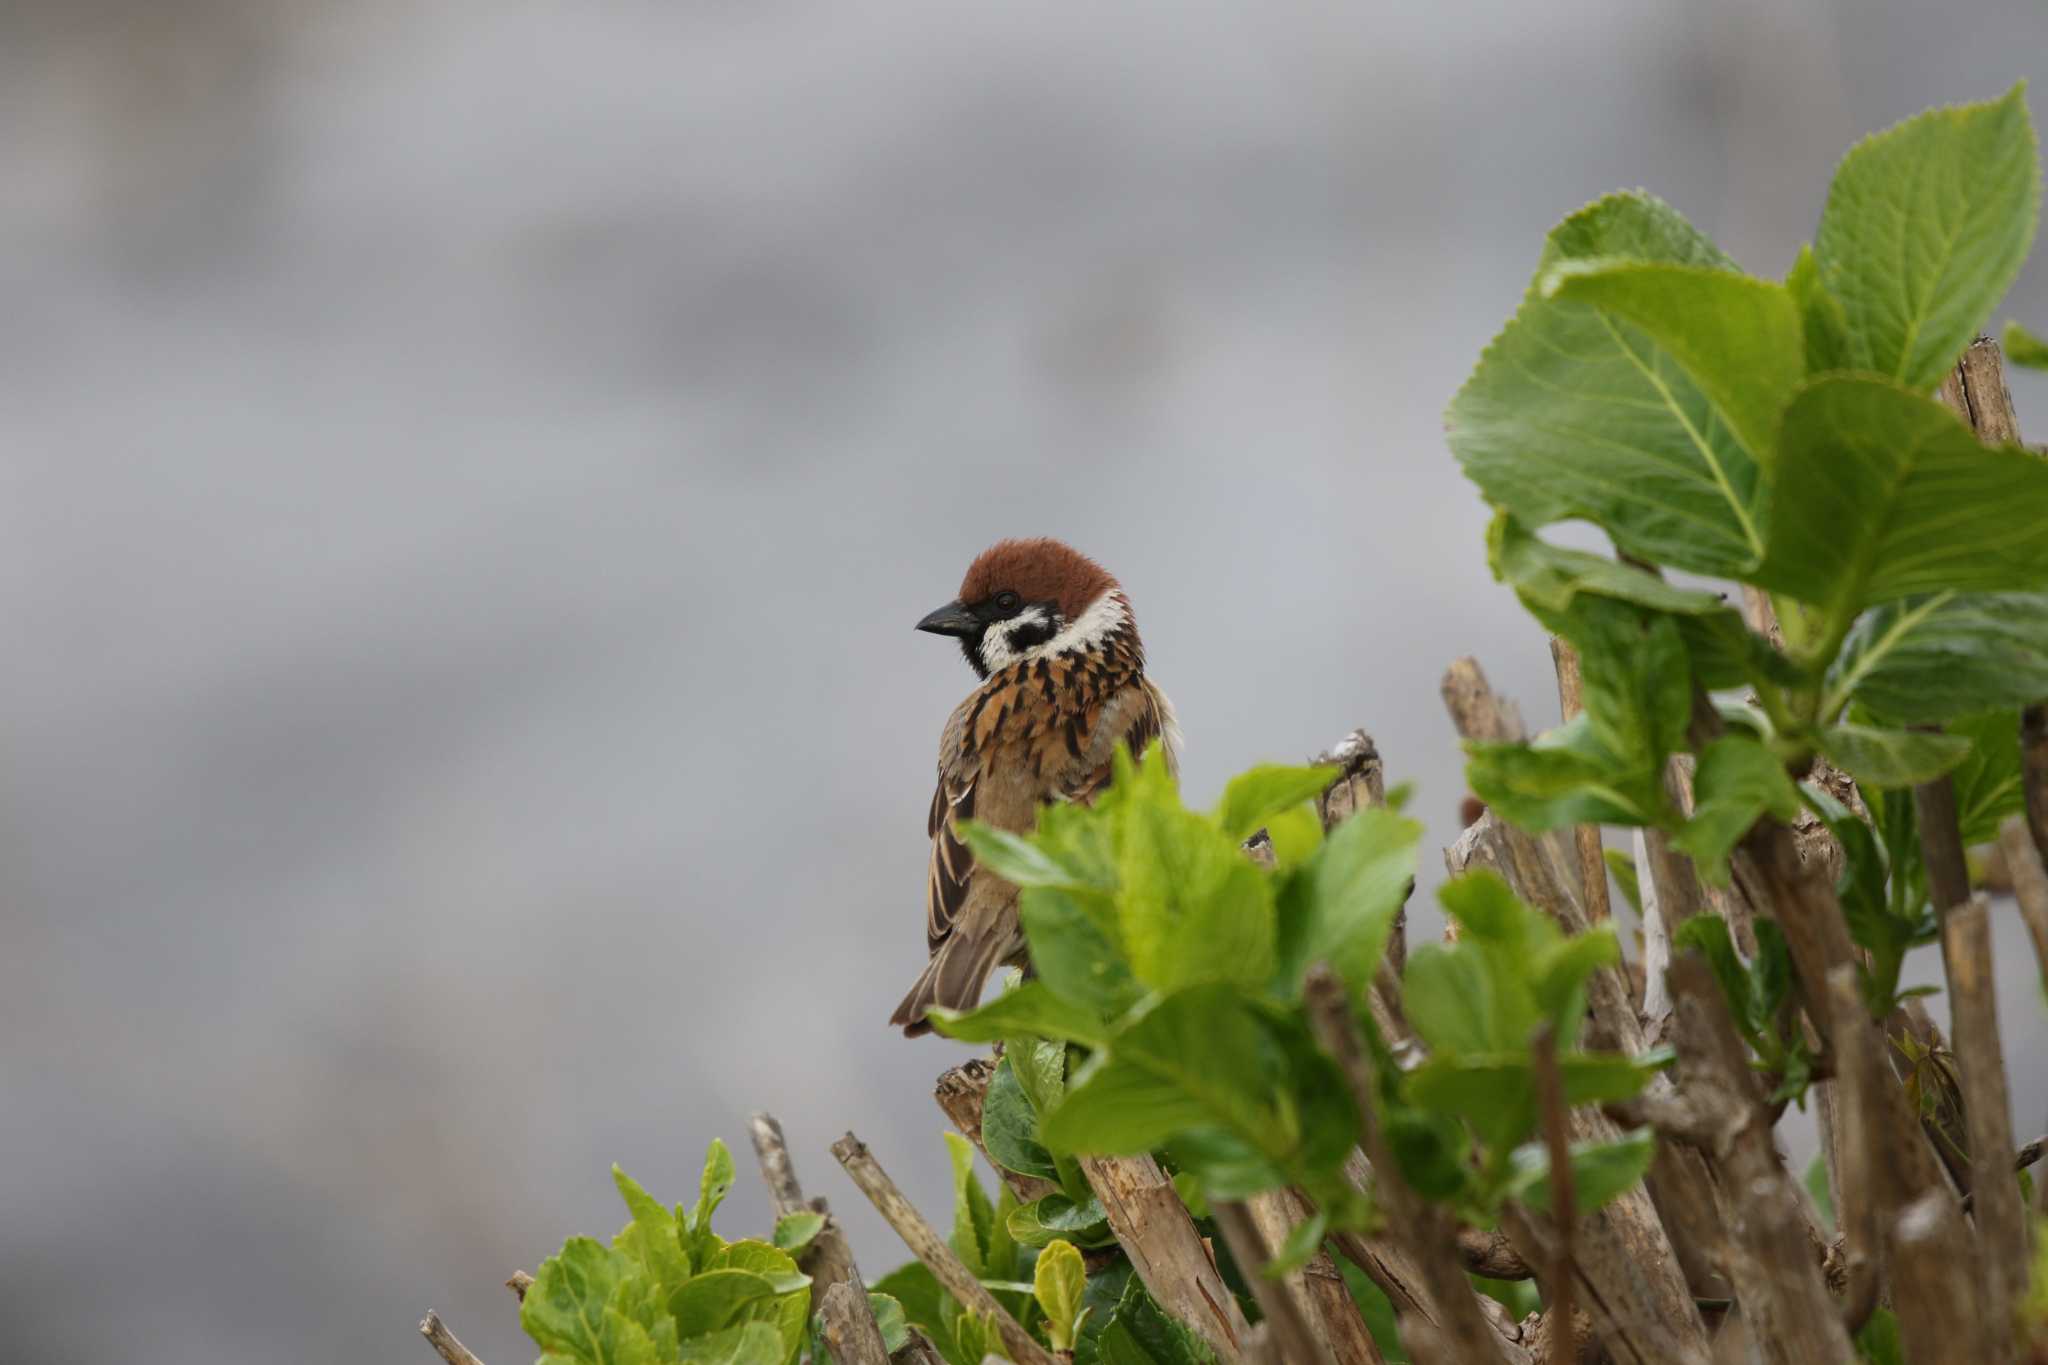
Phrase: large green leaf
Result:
[750,1343]
[1930,658]
[1606,766]
[1058,1282]
[1738,337]
[1009,1127]
[1574,413]
[1340,905]
[564,1306]
[1600,1170]
[1075,954]
[1988,784]
[1196,1058]
[975,1237]
[1926,225]
[2024,348]
[1192,906]
[717,1299]
[1257,794]
[1141,1333]
[1027,1007]
[1890,758]
[1738,780]
[1054,1216]
[1496,1092]
[652,1241]
[1825,322]
[1883,494]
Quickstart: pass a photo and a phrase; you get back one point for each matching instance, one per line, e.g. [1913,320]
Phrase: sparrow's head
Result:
[1026,599]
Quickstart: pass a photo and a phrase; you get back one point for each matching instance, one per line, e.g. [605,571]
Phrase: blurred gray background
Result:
[470,471]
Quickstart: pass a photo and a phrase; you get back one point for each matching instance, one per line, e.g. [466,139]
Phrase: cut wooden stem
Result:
[1283,1310]
[519,1283]
[850,1327]
[930,1248]
[1785,1304]
[828,1260]
[1317,1287]
[2000,1215]
[1165,1247]
[442,1340]
[1422,1228]
[2029,886]
[1559,1340]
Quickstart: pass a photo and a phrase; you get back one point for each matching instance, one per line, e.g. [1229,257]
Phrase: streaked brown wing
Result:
[1146,726]
[952,863]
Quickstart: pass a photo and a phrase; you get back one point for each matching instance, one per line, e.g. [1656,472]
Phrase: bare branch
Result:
[828,1260]
[1282,1310]
[2029,886]
[1785,1303]
[442,1340]
[850,1327]
[1165,1247]
[930,1248]
[1317,1287]
[1559,1340]
[1973,1004]
[1423,1229]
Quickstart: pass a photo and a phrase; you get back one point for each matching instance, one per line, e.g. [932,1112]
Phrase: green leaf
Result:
[1879,1342]
[1141,1333]
[1817,1186]
[1192,906]
[1738,781]
[1550,580]
[1825,322]
[1883,494]
[1056,1215]
[1058,1283]
[1495,1092]
[1738,337]
[1988,783]
[1304,1240]
[1890,758]
[1029,1007]
[795,1231]
[651,1242]
[974,1218]
[1257,794]
[712,1186]
[750,1343]
[1340,905]
[1623,867]
[1559,974]
[790,1307]
[1077,958]
[1193,1059]
[2024,348]
[716,1299]
[1708,935]
[1040,1066]
[564,1306]
[1932,658]
[1601,1171]
[1573,413]
[1448,998]
[890,1318]
[1926,225]
[1009,1127]
[1018,858]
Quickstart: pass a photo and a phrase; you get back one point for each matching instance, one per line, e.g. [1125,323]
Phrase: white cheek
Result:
[996,650]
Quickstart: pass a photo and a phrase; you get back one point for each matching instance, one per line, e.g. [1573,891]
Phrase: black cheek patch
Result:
[1032,634]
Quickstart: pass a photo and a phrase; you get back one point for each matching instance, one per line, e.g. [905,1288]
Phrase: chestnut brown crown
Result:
[1037,570]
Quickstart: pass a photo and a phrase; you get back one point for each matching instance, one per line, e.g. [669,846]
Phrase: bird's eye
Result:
[1006,602]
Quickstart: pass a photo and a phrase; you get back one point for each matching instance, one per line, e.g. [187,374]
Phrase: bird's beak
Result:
[951,619]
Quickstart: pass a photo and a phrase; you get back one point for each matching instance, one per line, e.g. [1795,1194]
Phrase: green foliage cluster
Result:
[1165,1014]
[670,1291]
[1781,434]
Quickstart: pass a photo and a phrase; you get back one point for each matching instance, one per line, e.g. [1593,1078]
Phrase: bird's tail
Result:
[954,977]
